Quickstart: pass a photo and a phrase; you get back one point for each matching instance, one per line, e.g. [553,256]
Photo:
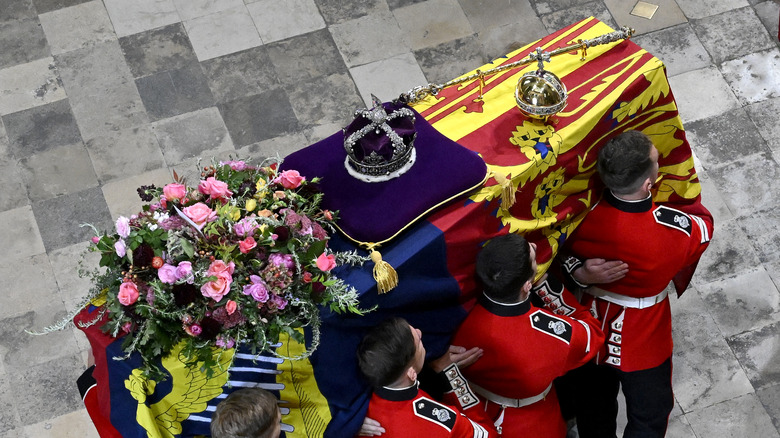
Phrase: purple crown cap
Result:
[380,141]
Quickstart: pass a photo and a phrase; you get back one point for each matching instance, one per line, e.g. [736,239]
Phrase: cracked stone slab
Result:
[732,34]
[28,85]
[76,27]
[678,47]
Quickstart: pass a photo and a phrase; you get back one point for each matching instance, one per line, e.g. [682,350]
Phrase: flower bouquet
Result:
[240,258]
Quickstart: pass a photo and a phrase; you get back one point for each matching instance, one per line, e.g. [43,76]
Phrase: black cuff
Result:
[569,265]
[86,381]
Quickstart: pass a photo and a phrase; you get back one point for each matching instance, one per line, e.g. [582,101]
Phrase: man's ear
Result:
[411,374]
[527,287]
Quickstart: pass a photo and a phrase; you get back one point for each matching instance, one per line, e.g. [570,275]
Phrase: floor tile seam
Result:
[699,283]
[744,159]
[731,57]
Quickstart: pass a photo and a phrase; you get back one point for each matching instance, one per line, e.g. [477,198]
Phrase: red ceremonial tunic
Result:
[412,413]
[656,242]
[525,348]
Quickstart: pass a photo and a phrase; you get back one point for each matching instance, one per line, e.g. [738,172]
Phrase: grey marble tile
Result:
[695,105]
[365,39]
[9,416]
[76,424]
[277,21]
[498,41]
[140,15]
[44,6]
[48,389]
[101,71]
[304,57]
[741,417]
[764,115]
[730,253]
[192,134]
[77,26]
[387,79]
[762,231]
[117,154]
[451,59]
[329,99]
[721,139]
[38,291]
[41,128]
[189,9]
[58,171]
[754,77]
[749,183]
[395,4]
[712,199]
[768,12]
[487,14]
[706,371]
[546,6]
[339,11]
[260,117]
[680,428]
[705,8]
[770,398]
[122,194]
[758,352]
[59,219]
[274,147]
[170,93]
[27,85]
[566,17]
[158,50]
[240,74]
[66,263]
[14,193]
[432,22]
[22,41]
[732,34]
[668,14]
[19,232]
[316,133]
[677,46]
[228,31]
[17,10]
[737,308]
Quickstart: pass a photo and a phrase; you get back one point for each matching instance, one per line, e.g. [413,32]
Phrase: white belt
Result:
[509,402]
[622,300]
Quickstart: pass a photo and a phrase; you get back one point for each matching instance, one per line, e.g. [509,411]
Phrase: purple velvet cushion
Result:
[375,212]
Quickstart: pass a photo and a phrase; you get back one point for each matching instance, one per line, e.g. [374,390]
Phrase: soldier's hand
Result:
[462,357]
[600,271]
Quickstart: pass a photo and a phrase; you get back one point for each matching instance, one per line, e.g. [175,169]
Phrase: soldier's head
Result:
[247,412]
[390,353]
[628,163]
[506,267]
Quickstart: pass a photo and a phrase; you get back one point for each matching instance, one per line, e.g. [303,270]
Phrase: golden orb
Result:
[540,94]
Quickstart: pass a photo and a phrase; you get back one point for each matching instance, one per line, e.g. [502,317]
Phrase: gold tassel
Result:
[384,274]
[507,193]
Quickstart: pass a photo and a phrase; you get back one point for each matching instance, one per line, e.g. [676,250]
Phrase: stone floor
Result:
[99,97]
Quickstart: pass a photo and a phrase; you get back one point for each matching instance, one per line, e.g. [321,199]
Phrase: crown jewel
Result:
[380,145]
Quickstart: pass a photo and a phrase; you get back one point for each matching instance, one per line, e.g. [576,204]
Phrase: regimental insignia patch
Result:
[435,412]
[551,325]
[673,219]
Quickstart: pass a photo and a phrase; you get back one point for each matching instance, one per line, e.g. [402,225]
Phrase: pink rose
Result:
[214,188]
[247,244]
[128,293]
[326,262]
[218,288]
[256,289]
[95,239]
[123,227]
[174,191]
[184,270]
[290,179]
[120,248]
[231,307]
[167,274]
[200,213]
[236,165]
[218,266]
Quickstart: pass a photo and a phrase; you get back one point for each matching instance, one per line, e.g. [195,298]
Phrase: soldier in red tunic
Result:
[524,347]
[657,242]
[391,356]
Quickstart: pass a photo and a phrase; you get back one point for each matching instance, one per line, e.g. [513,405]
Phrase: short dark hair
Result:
[503,266]
[624,162]
[386,352]
[246,412]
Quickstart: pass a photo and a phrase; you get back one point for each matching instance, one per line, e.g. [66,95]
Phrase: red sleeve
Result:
[703,226]
[587,339]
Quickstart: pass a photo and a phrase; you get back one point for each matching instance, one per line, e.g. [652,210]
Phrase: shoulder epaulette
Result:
[672,218]
[552,325]
[435,412]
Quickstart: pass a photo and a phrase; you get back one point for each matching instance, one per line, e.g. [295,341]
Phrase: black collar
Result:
[504,309]
[397,394]
[640,206]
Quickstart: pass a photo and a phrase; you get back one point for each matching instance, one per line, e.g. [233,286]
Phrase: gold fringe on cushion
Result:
[507,192]
[384,274]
